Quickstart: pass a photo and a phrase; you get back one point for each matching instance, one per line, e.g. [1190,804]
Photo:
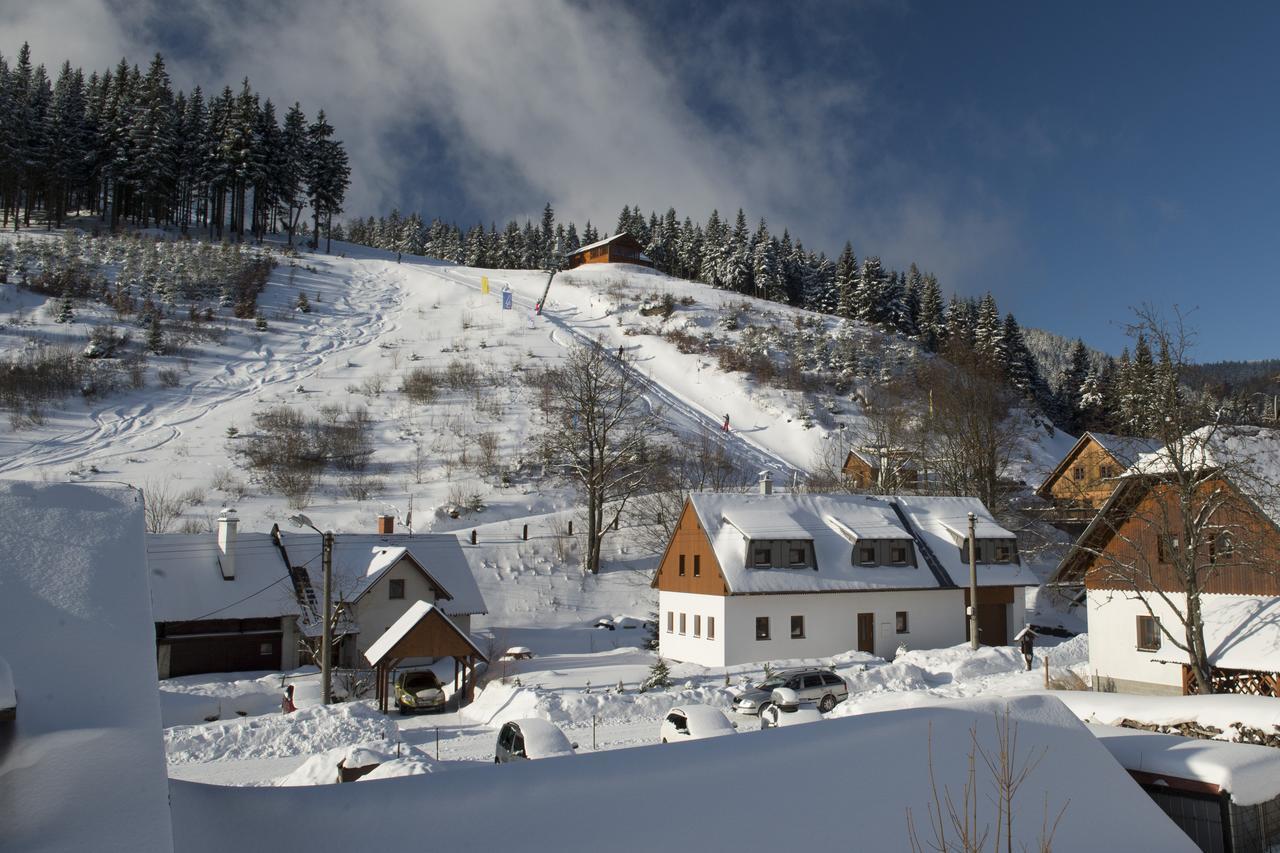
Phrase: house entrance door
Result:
[867,633]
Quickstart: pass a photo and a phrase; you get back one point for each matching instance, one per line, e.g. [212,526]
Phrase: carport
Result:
[424,631]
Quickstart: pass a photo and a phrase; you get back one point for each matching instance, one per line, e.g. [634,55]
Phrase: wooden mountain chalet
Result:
[1130,561]
[893,470]
[1086,476]
[766,576]
[621,248]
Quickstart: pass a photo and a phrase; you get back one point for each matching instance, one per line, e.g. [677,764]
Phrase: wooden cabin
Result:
[1129,546]
[1087,475]
[621,248]
[862,467]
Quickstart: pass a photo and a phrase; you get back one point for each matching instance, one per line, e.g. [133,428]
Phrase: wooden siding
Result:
[623,249]
[1091,460]
[432,637]
[690,541]
[1135,541]
[864,475]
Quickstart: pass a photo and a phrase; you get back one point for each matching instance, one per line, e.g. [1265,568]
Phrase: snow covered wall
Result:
[82,767]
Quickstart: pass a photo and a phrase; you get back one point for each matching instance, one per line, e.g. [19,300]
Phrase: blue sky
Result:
[1074,159]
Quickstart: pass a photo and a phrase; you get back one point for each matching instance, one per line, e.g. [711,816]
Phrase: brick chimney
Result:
[766,483]
[227,524]
[386,525]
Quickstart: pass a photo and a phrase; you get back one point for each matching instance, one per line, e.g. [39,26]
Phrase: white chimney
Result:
[766,483]
[227,523]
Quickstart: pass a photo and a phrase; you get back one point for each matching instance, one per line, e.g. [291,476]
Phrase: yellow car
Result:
[419,691]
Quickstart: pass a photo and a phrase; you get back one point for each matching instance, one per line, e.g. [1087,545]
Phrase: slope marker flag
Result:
[506,299]
[484,284]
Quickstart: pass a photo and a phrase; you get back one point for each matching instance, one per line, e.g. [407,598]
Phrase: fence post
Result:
[571,527]
[1046,672]
[473,537]
[524,534]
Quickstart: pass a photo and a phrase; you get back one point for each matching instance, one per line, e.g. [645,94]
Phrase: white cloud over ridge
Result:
[582,105]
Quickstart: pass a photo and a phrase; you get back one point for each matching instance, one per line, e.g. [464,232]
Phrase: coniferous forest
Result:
[123,145]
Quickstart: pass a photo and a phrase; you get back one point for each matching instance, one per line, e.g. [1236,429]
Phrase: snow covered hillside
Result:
[465,443]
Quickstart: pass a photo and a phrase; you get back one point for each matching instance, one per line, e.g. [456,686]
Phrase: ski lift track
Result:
[698,420]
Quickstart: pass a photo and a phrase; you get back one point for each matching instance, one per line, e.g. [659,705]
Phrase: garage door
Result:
[237,653]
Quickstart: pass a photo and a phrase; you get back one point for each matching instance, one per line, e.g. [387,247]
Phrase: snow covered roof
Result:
[85,768]
[606,241]
[1250,454]
[834,523]
[1250,773]
[763,522]
[417,611]
[360,560]
[936,519]
[849,765]
[1220,710]
[1125,449]
[187,584]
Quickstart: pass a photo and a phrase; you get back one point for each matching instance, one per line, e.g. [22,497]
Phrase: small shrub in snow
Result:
[260,323]
[302,303]
[421,385]
[169,378]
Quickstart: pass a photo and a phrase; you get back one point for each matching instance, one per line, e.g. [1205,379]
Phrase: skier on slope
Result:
[725,426]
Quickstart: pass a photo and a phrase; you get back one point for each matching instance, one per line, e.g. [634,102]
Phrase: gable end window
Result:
[681,565]
[395,588]
[697,566]
[762,627]
[1077,473]
[1148,634]
[1166,548]
[1221,548]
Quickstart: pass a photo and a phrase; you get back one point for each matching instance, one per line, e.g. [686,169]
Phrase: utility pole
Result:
[973,586]
[326,636]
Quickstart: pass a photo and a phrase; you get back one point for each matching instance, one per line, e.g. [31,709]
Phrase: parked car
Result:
[419,690]
[517,653]
[787,709]
[531,738]
[694,722]
[812,685]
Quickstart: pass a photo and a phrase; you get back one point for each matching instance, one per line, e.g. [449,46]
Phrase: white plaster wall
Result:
[1113,640]
[686,647]
[376,612]
[935,619]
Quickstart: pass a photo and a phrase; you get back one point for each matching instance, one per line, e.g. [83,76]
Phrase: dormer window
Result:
[898,555]
[1003,552]
[762,557]
[796,556]
[867,555]
[991,551]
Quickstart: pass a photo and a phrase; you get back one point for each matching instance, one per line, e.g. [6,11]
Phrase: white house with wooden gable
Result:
[232,600]
[767,576]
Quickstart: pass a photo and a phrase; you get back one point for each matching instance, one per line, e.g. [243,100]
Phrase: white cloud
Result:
[582,106]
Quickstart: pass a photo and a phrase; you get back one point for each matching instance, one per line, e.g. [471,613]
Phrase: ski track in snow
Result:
[363,311]
[686,415]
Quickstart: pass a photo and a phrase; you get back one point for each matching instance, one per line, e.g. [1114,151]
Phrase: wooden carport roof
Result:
[424,631]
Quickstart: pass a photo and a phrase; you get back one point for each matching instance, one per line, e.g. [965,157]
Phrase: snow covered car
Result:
[813,685]
[694,722]
[531,738]
[419,691]
[787,709]
[517,653]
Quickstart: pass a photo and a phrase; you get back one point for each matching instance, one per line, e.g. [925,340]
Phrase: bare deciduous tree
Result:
[603,432]
[1198,512]
[973,425]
